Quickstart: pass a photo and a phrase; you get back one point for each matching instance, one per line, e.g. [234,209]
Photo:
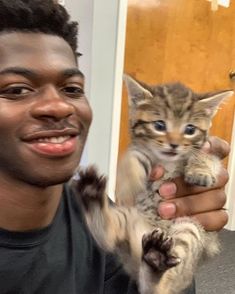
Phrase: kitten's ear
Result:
[211,104]
[137,94]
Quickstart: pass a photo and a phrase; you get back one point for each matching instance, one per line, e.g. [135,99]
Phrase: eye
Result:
[190,130]
[160,125]
[15,91]
[73,91]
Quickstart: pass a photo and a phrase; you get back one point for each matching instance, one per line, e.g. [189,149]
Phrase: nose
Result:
[174,146]
[51,104]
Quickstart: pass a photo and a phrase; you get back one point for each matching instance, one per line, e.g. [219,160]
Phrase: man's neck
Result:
[27,207]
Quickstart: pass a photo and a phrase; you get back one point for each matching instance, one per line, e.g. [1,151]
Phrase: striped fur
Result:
[160,255]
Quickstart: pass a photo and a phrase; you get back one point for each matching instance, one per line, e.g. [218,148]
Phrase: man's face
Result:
[44,115]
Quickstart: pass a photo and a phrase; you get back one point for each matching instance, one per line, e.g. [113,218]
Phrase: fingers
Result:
[211,221]
[179,188]
[219,147]
[195,204]
[205,207]
[167,210]
[214,220]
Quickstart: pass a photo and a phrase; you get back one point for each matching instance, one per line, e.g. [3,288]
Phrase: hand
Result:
[205,204]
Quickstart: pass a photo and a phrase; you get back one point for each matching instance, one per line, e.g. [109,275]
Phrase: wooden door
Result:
[181,40]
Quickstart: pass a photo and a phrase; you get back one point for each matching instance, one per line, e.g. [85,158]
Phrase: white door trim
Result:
[230,187]
[117,96]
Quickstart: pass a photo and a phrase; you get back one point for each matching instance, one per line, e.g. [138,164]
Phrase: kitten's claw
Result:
[200,179]
[156,251]
[91,186]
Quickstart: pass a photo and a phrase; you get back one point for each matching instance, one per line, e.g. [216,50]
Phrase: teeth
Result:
[54,140]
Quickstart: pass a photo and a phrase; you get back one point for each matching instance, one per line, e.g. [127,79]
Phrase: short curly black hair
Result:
[46,16]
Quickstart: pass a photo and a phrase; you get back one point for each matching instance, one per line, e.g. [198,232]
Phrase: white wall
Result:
[101,41]
[82,11]
[109,27]
[105,15]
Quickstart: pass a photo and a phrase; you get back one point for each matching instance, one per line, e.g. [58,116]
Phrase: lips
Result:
[53,143]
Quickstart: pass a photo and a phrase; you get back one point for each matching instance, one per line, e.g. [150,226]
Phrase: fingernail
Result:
[167,210]
[167,190]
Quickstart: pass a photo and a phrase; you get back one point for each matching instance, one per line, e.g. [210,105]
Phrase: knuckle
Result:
[221,198]
[220,147]
[223,177]
[224,217]
[184,207]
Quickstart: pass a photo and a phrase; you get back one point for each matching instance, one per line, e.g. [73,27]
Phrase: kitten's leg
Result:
[202,169]
[114,228]
[157,251]
[190,242]
[105,222]
[157,258]
[132,175]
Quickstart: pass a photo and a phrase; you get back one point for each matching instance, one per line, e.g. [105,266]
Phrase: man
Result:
[44,120]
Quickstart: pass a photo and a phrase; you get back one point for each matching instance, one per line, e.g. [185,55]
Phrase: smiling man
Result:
[44,121]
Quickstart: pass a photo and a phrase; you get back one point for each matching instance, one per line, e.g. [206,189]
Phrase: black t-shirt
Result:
[60,259]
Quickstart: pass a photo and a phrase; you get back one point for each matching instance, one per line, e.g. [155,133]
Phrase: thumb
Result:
[156,173]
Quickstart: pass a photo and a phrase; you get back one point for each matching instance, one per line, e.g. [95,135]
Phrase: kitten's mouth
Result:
[170,153]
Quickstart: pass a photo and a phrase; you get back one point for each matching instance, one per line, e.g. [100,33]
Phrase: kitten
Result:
[168,125]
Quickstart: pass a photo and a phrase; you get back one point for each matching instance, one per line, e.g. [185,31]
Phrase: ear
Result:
[211,104]
[137,94]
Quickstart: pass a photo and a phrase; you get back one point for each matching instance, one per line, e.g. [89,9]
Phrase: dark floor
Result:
[218,276]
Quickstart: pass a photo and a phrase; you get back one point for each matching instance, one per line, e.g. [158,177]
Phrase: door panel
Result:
[181,40]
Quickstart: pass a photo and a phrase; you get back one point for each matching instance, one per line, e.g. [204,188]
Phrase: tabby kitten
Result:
[168,125]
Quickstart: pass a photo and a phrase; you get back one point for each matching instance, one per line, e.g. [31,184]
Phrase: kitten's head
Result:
[170,118]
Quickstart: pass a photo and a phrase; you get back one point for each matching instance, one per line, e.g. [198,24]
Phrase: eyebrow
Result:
[72,72]
[67,73]
[18,71]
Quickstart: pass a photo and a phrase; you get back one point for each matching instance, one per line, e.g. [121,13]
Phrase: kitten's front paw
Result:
[200,178]
[156,251]
[91,186]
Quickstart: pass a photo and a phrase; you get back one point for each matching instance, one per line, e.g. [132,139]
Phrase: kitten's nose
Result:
[174,146]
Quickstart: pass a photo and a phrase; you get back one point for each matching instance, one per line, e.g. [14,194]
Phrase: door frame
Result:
[230,187]
[117,96]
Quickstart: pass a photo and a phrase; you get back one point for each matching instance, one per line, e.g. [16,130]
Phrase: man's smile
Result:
[55,143]
[54,146]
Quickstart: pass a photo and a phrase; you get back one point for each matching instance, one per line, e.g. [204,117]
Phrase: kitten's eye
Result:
[160,125]
[190,130]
